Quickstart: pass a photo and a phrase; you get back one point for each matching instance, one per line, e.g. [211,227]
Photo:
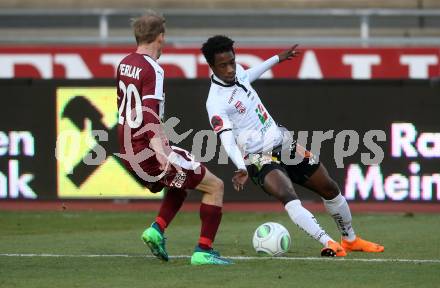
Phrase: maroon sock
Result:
[211,216]
[171,204]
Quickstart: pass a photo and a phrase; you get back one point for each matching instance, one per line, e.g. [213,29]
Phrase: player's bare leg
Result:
[280,186]
[212,188]
[210,214]
[336,205]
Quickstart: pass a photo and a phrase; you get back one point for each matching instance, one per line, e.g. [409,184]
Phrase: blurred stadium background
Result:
[365,65]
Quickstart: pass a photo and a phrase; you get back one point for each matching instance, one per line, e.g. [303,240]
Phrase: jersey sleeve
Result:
[255,72]
[231,148]
[219,119]
[152,84]
[150,117]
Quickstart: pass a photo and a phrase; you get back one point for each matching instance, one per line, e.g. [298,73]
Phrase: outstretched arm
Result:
[255,72]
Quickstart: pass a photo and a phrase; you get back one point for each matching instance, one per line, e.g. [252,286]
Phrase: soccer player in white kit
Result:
[248,132]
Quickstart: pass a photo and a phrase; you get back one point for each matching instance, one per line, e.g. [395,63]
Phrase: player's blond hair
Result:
[147,27]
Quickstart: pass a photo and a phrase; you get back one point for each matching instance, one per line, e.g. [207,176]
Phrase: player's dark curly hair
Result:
[215,45]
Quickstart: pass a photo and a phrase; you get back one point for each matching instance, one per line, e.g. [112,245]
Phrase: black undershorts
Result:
[262,164]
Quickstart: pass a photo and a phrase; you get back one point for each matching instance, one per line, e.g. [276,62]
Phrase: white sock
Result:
[339,210]
[306,221]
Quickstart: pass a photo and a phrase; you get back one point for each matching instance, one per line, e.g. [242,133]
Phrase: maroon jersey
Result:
[140,92]
[140,104]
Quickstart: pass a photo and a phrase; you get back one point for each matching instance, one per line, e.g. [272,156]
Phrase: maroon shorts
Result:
[186,173]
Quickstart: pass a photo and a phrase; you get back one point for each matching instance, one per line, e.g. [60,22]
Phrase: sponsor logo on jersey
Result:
[266,126]
[262,114]
[217,123]
[232,96]
[240,107]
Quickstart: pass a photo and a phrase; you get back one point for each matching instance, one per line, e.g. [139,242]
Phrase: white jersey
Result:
[238,107]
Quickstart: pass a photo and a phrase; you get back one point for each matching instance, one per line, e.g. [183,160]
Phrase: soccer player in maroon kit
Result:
[146,152]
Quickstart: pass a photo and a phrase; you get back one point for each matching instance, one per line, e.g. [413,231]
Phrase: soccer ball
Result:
[272,239]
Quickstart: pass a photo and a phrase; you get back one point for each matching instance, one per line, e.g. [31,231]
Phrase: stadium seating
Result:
[194,4]
[188,24]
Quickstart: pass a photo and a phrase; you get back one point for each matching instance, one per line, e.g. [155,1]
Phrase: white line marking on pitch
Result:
[229,257]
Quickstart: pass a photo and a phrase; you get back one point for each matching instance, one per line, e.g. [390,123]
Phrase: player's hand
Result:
[163,161]
[239,179]
[289,53]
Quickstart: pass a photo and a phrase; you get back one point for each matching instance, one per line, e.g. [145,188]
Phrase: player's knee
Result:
[331,190]
[217,187]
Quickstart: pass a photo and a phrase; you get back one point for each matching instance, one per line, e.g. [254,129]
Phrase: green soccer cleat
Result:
[154,238]
[208,257]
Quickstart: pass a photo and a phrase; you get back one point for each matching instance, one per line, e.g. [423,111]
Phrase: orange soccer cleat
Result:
[361,245]
[333,249]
